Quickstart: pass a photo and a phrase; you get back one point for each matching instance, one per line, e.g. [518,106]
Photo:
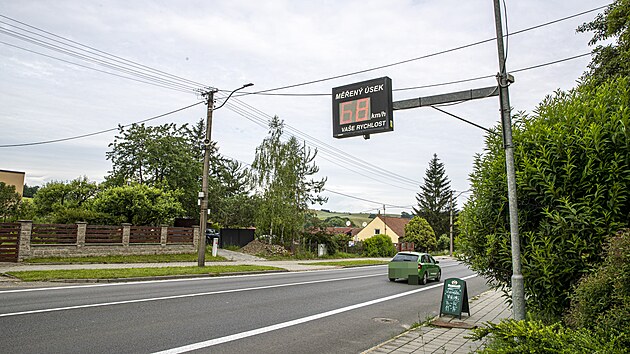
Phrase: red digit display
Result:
[346,114]
[354,111]
[363,109]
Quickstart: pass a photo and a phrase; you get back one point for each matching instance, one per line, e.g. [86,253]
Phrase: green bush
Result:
[379,246]
[601,301]
[533,336]
[421,234]
[444,242]
[572,160]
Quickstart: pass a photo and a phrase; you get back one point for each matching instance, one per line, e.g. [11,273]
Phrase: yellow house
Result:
[388,225]
[13,178]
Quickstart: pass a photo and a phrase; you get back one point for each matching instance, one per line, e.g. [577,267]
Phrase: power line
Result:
[98,60]
[363,199]
[95,69]
[99,132]
[489,76]
[423,56]
[94,50]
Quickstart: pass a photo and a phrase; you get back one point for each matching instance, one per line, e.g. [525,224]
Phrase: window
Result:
[403,257]
[377,231]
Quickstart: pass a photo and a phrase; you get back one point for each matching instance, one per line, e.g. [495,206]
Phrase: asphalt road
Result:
[332,311]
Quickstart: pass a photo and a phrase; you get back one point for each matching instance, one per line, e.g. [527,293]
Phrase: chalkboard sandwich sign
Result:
[454,298]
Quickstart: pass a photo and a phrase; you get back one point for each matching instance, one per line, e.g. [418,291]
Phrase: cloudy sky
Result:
[170,49]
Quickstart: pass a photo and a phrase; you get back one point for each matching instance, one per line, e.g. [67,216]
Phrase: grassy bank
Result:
[74,274]
[132,258]
[354,263]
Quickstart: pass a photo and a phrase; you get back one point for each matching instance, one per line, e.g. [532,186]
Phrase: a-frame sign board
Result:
[454,298]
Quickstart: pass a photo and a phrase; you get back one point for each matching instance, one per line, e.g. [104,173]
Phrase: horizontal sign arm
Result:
[447,98]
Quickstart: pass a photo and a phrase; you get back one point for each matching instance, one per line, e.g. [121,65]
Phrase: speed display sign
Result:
[363,108]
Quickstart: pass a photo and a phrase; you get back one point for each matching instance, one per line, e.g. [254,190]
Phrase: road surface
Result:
[331,311]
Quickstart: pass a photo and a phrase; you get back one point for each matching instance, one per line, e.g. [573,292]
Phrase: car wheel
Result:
[439,275]
[425,278]
[392,279]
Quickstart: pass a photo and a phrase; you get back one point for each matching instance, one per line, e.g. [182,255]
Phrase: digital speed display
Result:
[363,108]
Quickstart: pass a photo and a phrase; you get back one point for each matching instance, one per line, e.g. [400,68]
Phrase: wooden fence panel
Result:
[145,234]
[54,234]
[9,241]
[103,234]
[179,235]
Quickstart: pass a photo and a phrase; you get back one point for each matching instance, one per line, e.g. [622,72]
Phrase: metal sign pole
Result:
[518,291]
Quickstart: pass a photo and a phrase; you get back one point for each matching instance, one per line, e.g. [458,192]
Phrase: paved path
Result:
[489,306]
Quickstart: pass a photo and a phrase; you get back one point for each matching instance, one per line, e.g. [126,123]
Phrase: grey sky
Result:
[226,44]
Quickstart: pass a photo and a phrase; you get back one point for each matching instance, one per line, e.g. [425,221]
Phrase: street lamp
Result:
[203,195]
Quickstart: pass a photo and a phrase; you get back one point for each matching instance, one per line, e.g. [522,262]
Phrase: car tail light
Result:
[419,266]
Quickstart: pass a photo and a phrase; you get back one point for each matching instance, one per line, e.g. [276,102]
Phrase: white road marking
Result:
[87,286]
[237,336]
[182,296]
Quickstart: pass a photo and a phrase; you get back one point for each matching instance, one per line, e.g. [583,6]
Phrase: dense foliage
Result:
[421,234]
[164,156]
[9,202]
[598,322]
[572,159]
[379,246]
[534,336]
[611,59]
[435,197]
[601,302]
[138,204]
[282,173]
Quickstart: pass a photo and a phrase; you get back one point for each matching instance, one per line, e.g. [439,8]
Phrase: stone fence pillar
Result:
[126,234]
[195,235]
[163,235]
[81,231]
[26,230]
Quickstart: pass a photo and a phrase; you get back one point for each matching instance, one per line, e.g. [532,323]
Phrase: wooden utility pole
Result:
[203,213]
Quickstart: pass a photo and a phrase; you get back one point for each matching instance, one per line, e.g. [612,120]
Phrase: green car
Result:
[410,263]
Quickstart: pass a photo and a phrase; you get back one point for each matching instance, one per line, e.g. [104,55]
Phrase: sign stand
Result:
[454,298]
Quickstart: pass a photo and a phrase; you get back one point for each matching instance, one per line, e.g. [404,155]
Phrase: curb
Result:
[162,277]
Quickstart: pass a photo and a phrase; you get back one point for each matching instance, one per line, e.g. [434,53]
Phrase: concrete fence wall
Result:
[32,246]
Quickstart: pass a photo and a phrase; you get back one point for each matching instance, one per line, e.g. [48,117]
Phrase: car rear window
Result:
[402,257]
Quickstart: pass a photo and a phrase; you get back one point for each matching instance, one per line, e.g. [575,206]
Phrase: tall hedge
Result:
[572,160]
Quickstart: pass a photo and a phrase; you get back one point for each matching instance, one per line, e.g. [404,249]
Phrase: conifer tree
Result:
[434,197]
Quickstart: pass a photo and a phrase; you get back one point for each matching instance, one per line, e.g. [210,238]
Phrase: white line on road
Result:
[143,282]
[237,336]
[183,296]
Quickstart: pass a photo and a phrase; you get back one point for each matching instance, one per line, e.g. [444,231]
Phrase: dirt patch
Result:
[259,248]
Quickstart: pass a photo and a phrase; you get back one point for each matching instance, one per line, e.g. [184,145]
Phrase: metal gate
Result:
[9,241]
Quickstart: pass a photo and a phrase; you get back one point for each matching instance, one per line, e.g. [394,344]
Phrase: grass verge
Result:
[132,258]
[48,275]
[355,263]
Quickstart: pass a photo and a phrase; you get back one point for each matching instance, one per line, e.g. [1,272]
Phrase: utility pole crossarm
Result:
[459,96]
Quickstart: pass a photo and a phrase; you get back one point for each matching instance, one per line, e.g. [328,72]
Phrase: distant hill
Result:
[357,218]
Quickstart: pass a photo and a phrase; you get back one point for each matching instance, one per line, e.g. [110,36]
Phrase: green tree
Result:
[57,197]
[611,59]
[9,202]
[281,171]
[379,246]
[572,161]
[434,197]
[29,192]
[421,234]
[138,204]
[444,242]
[230,203]
[166,157]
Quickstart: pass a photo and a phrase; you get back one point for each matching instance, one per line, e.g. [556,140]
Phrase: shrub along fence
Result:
[26,240]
